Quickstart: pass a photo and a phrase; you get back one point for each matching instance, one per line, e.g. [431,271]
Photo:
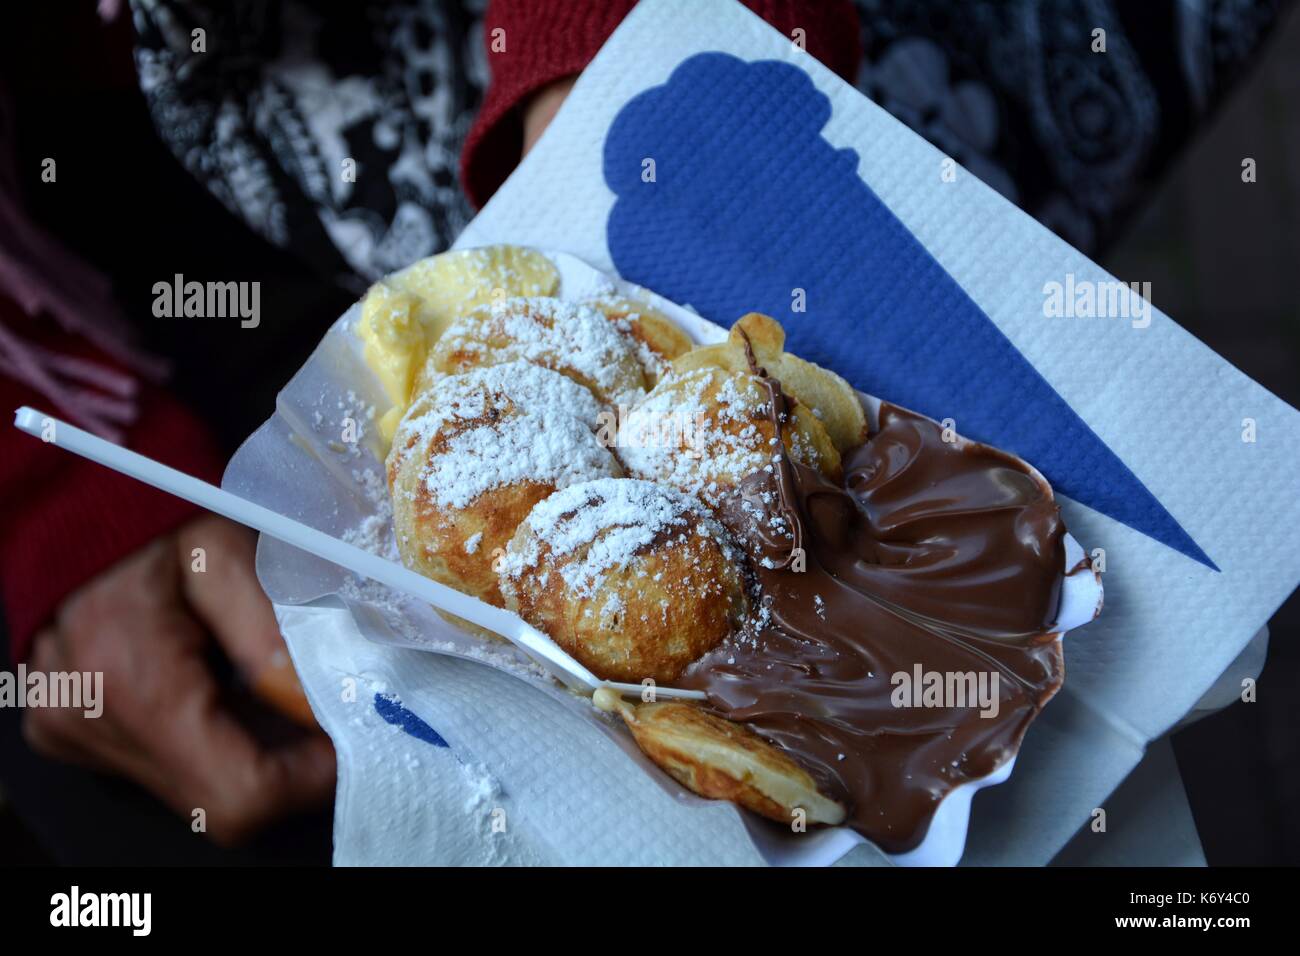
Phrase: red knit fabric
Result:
[547,40]
[64,519]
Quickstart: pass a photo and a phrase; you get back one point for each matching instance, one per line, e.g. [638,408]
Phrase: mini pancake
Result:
[635,580]
[572,339]
[471,458]
[659,339]
[703,431]
[403,314]
[722,760]
[832,400]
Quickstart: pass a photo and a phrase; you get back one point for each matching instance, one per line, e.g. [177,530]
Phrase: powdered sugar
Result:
[507,423]
[556,334]
[607,301]
[373,532]
[728,441]
[606,523]
[483,791]
[550,447]
[472,394]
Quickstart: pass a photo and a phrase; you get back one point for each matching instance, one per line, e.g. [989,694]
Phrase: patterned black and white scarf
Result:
[334,130]
[331,129]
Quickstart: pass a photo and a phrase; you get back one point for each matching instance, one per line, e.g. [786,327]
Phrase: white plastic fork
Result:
[513,628]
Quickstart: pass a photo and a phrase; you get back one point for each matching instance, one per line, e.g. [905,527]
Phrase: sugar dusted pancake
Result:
[635,580]
[573,339]
[403,314]
[704,430]
[473,455]
[758,340]
[658,338]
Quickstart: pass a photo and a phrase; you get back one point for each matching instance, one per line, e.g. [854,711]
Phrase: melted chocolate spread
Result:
[932,557]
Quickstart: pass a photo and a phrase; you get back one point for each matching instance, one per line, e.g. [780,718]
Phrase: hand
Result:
[146,624]
[541,109]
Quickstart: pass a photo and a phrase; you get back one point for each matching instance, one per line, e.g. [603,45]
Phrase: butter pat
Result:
[455,283]
[404,314]
[388,423]
[395,342]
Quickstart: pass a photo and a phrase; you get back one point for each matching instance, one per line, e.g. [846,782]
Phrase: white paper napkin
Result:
[1170,410]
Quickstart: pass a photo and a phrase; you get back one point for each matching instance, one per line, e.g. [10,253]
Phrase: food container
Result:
[301,464]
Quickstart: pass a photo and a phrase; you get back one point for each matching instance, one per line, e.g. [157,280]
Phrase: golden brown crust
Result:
[832,400]
[434,538]
[457,541]
[572,339]
[727,435]
[662,338]
[722,760]
[660,607]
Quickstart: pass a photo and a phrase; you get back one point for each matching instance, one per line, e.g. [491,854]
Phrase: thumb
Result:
[227,598]
[244,785]
[221,587]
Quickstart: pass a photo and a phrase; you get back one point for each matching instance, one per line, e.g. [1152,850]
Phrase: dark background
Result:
[1222,258]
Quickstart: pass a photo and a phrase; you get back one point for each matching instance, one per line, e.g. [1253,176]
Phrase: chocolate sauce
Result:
[933,558]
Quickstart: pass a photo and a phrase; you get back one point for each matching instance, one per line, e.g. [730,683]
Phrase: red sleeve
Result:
[547,40]
[64,519]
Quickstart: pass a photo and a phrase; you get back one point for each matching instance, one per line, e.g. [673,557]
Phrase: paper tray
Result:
[295,464]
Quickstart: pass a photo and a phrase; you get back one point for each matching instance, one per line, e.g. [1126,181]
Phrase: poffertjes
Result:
[404,313]
[505,485]
[570,338]
[829,398]
[658,338]
[474,454]
[635,580]
[702,431]
[720,759]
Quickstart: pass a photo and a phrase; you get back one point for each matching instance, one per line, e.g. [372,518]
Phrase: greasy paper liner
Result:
[297,465]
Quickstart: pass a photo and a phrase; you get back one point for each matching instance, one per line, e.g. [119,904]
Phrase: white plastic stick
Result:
[497,620]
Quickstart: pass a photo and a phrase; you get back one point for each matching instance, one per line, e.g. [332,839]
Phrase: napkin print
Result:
[728,198]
